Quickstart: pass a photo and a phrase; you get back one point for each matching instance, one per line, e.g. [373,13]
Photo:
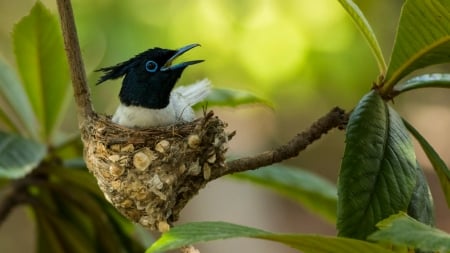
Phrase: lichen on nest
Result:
[150,174]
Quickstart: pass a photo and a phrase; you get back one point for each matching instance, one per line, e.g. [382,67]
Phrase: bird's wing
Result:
[194,93]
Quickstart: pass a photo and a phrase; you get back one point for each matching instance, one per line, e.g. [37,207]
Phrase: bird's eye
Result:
[151,66]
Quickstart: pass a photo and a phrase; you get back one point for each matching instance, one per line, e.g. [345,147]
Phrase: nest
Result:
[150,174]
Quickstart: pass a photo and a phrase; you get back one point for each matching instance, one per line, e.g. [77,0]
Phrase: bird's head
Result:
[149,76]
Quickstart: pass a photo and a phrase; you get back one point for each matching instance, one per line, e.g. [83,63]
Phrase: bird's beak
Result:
[168,65]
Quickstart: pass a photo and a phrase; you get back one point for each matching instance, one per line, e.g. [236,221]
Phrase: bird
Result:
[147,96]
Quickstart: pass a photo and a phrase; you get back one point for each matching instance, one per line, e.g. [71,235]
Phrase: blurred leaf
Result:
[423,39]
[18,156]
[42,65]
[71,212]
[111,233]
[233,98]
[309,190]
[69,235]
[436,80]
[378,171]
[206,231]
[400,229]
[6,122]
[12,91]
[47,241]
[127,231]
[105,235]
[438,164]
[65,236]
[361,22]
[80,178]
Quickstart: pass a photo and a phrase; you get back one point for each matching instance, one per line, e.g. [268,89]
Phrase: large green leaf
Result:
[378,171]
[423,39]
[438,164]
[306,188]
[42,65]
[206,231]
[365,28]
[436,80]
[421,206]
[402,230]
[18,155]
[12,92]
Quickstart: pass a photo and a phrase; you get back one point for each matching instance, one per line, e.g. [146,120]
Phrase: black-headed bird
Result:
[147,97]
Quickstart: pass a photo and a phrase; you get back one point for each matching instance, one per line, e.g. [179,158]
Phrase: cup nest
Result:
[150,174]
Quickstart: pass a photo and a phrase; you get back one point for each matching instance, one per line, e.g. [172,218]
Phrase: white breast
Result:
[179,109]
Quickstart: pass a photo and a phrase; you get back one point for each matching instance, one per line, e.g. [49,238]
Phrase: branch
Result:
[79,80]
[336,118]
[14,197]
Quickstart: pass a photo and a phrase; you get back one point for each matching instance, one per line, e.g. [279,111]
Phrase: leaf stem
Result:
[79,80]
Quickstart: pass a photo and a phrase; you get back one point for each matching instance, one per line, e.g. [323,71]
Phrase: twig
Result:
[7,205]
[79,80]
[14,197]
[336,118]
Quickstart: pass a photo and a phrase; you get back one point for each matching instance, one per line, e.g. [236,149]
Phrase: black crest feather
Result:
[120,69]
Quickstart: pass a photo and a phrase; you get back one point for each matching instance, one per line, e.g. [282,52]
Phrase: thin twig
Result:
[7,205]
[79,80]
[336,118]
[15,196]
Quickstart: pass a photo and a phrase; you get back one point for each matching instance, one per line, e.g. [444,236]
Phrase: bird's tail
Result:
[195,92]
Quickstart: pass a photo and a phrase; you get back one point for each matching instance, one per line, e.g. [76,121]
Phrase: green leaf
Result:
[230,97]
[71,237]
[18,156]
[438,164]
[365,28]
[423,39]
[127,232]
[378,171]
[402,230]
[421,206]
[306,188]
[107,237]
[206,231]
[436,80]
[64,233]
[47,241]
[13,94]
[6,120]
[79,178]
[42,65]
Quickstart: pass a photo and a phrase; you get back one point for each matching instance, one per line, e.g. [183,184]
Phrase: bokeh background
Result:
[303,56]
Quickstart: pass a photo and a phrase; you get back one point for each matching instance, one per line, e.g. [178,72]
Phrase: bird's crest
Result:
[120,69]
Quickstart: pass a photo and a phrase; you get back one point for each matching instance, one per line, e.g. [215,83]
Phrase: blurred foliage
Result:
[289,52]
[313,51]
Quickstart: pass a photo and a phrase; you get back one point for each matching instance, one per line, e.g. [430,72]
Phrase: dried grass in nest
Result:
[150,174]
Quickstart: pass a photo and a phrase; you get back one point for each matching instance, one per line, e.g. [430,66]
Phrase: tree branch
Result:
[79,80]
[336,118]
